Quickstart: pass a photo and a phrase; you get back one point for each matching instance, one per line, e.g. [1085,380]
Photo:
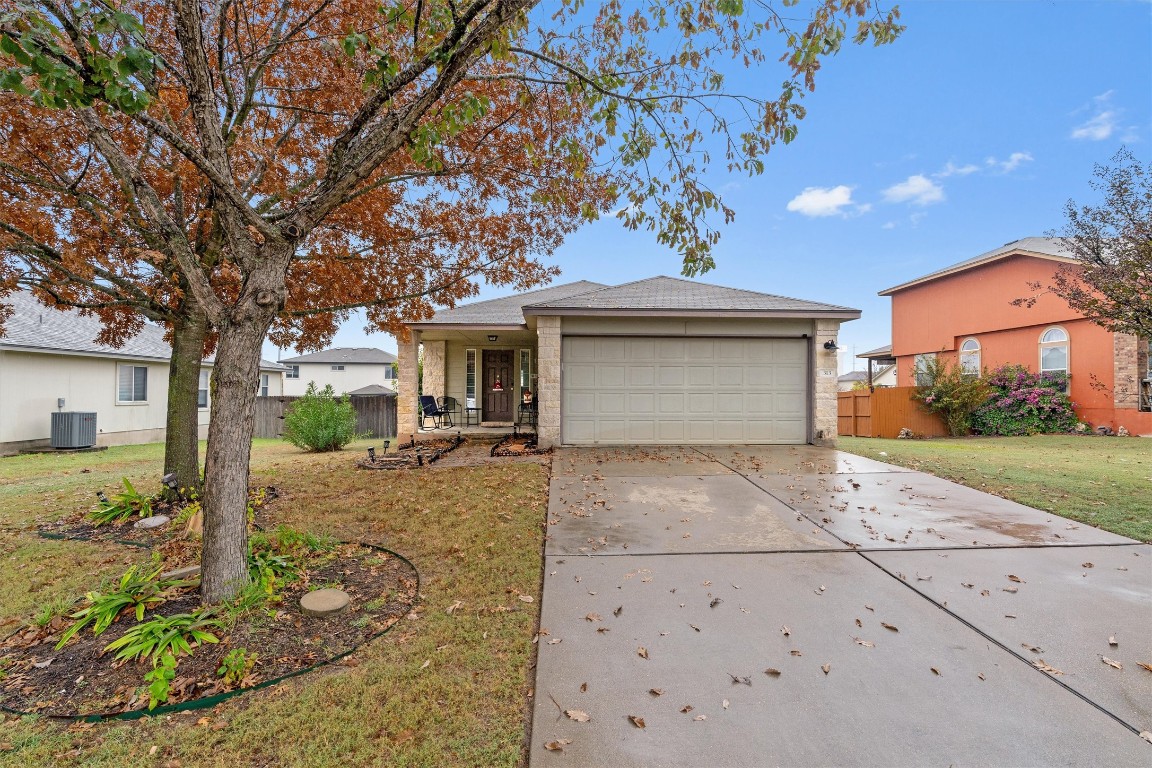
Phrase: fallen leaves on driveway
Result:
[557,745]
[1111,662]
[578,715]
[1041,665]
[637,721]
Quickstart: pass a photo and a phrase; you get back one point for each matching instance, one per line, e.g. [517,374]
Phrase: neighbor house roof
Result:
[853,376]
[346,355]
[676,296]
[373,389]
[34,327]
[879,353]
[1043,247]
[505,311]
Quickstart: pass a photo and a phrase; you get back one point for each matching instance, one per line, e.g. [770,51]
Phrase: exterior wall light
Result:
[493,337]
[830,345]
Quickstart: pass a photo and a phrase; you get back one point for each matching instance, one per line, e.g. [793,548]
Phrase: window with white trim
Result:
[1054,351]
[525,372]
[970,357]
[264,382]
[132,384]
[202,389]
[920,369]
[470,378]
[293,372]
[337,367]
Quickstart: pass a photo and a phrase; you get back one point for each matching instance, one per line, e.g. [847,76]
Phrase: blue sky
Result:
[970,131]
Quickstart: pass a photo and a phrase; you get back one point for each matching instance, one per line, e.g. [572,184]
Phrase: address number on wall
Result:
[827,373]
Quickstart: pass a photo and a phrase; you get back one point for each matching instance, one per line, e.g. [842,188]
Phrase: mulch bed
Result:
[519,445]
[415,454]
[80,680]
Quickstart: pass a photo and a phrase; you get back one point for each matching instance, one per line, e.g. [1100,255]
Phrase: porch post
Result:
[548,381]
[824,384]
[435,353]
[407,384]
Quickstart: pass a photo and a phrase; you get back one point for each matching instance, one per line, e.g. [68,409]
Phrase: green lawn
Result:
[441,689]
[1102,481]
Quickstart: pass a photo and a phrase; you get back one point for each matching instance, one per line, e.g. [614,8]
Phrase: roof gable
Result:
[1040,247]
[676,295]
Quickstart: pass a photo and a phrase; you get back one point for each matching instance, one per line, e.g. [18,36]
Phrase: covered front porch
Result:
[486,377]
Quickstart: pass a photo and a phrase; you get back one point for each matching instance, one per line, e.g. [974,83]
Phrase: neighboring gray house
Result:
[662,360]
[347,369]
[48,355]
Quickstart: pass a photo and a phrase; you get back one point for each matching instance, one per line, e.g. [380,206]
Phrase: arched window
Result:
[970,357]
[1054,351]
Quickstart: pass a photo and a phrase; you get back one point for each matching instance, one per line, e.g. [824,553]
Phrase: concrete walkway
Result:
[800,606]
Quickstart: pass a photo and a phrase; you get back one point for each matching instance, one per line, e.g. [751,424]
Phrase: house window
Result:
[970,357]
[525,371]
[202,390]
[390,371]
[337,367]
[1054,351]
[263,388]
[921,371]
[470,378]
[293,372]
[132,384]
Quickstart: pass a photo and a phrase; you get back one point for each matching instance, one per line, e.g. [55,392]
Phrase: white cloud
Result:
[888,225]
[1014,161]
[1102,123]
[951,169]
[822,201]
[918,190]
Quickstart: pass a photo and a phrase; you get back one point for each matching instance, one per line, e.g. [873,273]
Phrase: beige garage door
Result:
[625,390]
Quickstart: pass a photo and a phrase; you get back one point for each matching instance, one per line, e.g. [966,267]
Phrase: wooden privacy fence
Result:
[883,413]
[375,415]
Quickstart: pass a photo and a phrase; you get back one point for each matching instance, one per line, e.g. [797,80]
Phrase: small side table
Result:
[471,417]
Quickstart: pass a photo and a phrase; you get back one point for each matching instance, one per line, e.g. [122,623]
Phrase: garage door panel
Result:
[695,390]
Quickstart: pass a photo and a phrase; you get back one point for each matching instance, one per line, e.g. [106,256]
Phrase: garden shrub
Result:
[950,393]
[1025,403]
[320,421]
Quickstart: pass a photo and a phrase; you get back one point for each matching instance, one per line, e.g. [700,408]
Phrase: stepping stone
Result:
[324,602]
[152,522]
[187,572]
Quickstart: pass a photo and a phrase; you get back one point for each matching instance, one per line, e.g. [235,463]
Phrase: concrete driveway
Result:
[800,606]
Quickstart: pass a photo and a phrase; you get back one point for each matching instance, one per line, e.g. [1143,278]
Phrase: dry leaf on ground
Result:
[637,721]
[1015,578]
[1041,665]
[1111,662]
[886,625]
[642,652]
[656,691]
[578,715]
[772,672]
[827,668]
[558,745]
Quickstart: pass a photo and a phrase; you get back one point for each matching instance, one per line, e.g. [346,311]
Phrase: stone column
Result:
[1126,371]
[824,368]
[434,356]
[548,381]
[407,385]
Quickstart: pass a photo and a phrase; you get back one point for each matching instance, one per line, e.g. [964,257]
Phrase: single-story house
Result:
[965,313]
[884,377]
[657,361]
[345,368]
[50,362]
[881,367]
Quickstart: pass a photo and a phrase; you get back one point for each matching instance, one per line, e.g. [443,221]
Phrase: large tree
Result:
[1111,282]
[338,154]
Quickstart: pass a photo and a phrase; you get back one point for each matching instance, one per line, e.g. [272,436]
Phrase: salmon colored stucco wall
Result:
[937,316]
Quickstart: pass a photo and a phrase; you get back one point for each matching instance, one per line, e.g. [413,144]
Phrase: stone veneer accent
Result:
[824,387]
[407,387]
[1127,370]
[435,357]
[548,381]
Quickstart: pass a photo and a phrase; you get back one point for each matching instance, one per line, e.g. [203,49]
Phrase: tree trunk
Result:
[181,449]
[234,379]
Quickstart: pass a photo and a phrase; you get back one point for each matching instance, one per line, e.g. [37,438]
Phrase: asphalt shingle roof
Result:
[508,310]
[36,327]
[676,294]
[1048,246]
[346,355]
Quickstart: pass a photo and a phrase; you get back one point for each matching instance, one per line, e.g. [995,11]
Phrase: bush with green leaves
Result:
[236,668]
[173,634]
[137,590]
[160,678]
[1025,403]
[319,421]
[950,393]
[119,506]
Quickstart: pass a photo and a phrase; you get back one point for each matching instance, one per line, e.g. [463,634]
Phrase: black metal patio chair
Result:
[450,409]
[430,410]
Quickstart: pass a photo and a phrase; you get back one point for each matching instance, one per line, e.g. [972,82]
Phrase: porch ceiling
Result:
[506,336]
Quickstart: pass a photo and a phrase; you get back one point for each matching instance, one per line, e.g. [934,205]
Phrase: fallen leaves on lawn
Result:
[526,598]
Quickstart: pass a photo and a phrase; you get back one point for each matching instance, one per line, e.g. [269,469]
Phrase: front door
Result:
[499,384]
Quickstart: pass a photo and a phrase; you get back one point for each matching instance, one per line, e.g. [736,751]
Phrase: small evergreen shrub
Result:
[319,421]
[951,393]
[1025,403]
